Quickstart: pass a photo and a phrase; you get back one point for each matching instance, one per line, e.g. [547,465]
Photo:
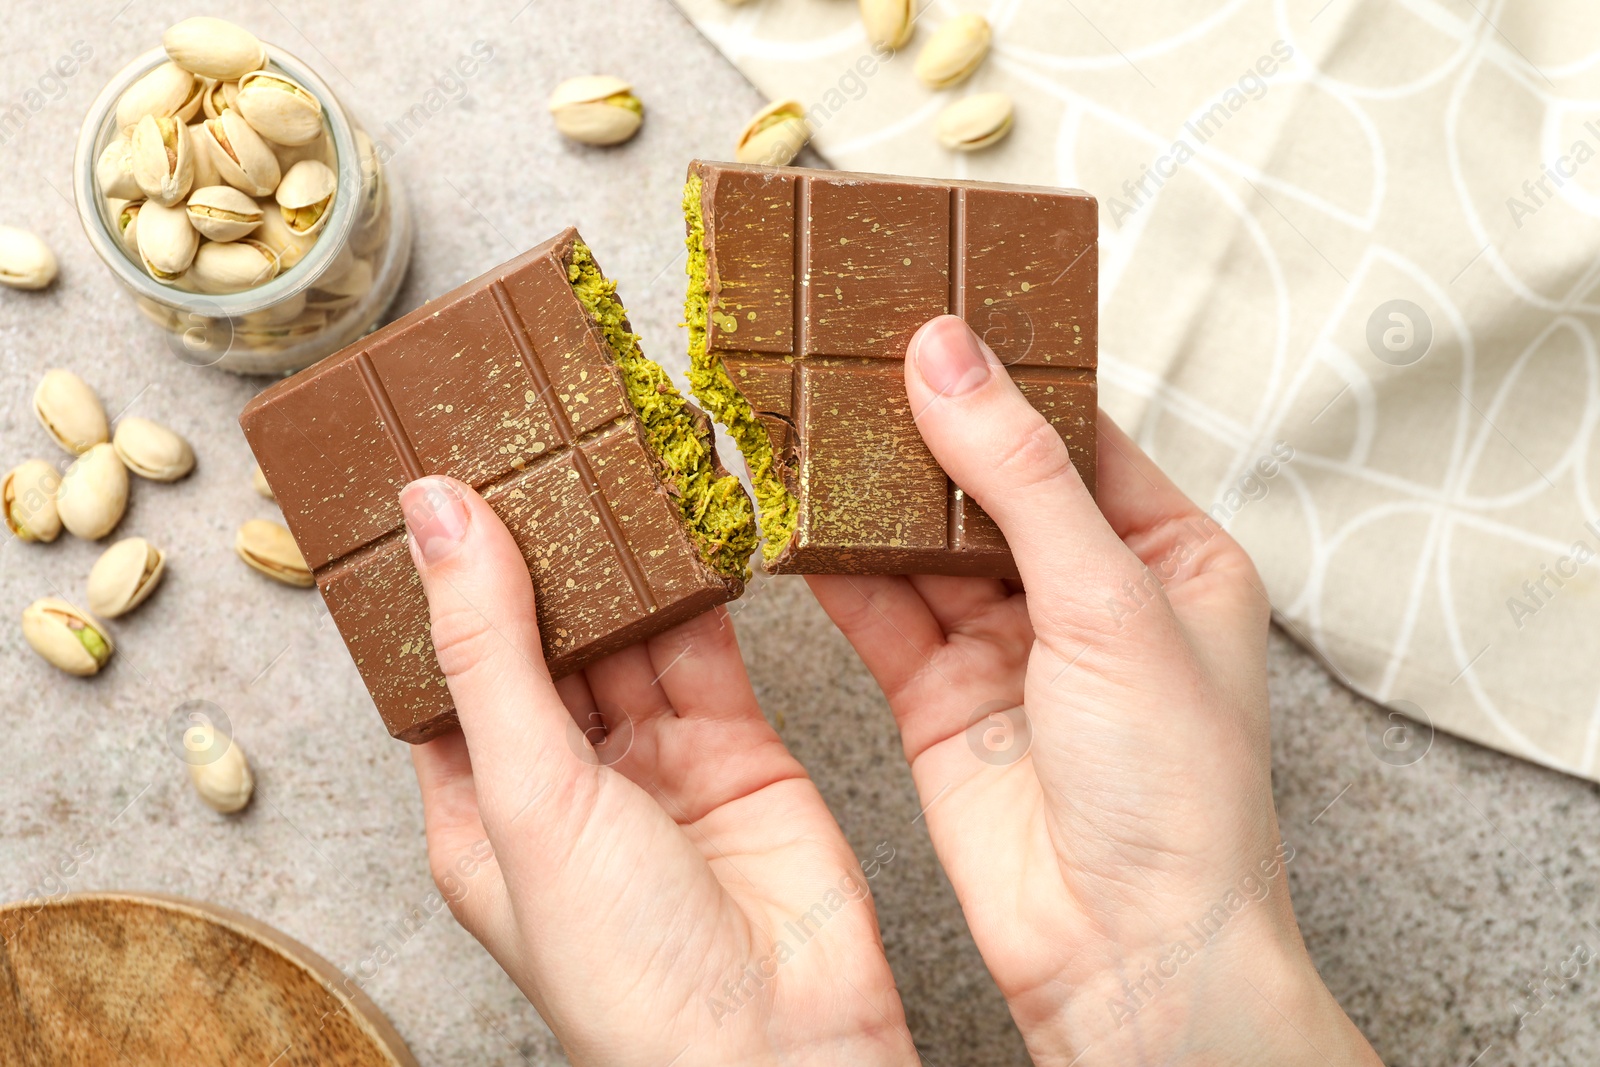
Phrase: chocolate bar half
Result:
[528,385]
[804,288]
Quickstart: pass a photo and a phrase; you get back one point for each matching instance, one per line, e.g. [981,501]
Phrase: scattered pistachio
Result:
[889,22]
[218,97]
[225,783]
[114,169]
[596,109]
[68,638]
[70,412]
[289,247]
[152,451]
[167,242]
[319,148]
[223,213]
[127,220]
[26,262]
[775,135]
[214,48]
[305,197]
[168,91]
[205,161]
[269,548]
[124,575]
[29,496]
[93,493]
[279,108]
[234,266]
[258,480]
[163,159]
[975,122]
[955,50]
[242,157]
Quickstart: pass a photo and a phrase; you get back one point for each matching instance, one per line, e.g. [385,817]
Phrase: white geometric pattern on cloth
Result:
[1364,231]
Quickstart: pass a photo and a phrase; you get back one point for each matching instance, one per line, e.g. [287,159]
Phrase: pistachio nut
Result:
[955,50]
[214,48]
[206,173]
[242,157]
[29,495]
[127,222]
[218,97]
[775,135]
[70,412]
[152,451]
[68,638]
[224,782]
[258,481]
[163,159]
[93,493]
[975,122]
[269,548]
[285,310]
[114,169]
[167,242]
[279,108]
[319,148]
[26,262]
[596,109]
[889,22]
[168,90]
[305,196]
[349,286]
[223,213]
[124,575]
[233,267]
[289,247]
[306,325]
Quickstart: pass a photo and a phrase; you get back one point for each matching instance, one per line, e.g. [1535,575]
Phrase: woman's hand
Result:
[1094,754]
[685,900]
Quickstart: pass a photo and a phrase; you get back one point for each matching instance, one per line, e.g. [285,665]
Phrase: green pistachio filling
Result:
[93,643]
[715,509]
[628,101]
[715,390]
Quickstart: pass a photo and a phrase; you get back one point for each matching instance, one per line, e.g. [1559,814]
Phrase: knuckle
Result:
[1033,458]
[463,640]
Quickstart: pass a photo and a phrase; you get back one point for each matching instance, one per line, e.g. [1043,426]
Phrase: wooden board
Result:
[144,979]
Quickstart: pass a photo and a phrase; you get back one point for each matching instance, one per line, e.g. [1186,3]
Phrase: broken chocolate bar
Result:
[805,287]
[528,385]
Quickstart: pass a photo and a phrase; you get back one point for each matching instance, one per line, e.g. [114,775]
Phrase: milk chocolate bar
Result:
[805,287]
[528,385]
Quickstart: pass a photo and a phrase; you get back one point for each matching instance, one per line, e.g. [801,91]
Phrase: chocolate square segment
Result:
[875,258]
[506,384]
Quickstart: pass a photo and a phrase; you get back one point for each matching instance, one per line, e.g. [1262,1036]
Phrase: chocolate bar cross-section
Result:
[814,282]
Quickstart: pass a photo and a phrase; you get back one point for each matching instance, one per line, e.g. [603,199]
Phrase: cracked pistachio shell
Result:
[67,637]
[975,122]
[218,97]
[226,782]
[167,241]
[223,213]
[955,50]
[243,159]
[29,495]
[163,159]
[889,22]
[114,169]
[206,173]
[258,481]
[274,232]
[305,197]
[596,109]
[127,223]
[152,451]
[269,548]
[279,108]
[775,135]
[214,48]
[124,575]
[233,267]
[168,90]
[319,148]
[93,493]
[70,412]
[26,262]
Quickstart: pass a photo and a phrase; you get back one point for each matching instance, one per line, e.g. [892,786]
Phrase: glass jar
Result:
[330,297]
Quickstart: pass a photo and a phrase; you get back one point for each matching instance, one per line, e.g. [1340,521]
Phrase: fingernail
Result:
[436,516]
[948,357]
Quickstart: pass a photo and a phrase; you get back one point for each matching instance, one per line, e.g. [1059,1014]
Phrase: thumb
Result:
[1008,458]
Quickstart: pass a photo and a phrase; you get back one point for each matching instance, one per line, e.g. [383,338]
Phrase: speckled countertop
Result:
[1432,895]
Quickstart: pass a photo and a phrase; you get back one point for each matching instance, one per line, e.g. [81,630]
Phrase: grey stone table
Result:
[1432,895]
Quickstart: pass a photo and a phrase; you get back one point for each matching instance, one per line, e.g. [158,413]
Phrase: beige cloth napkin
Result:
[1360,233]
